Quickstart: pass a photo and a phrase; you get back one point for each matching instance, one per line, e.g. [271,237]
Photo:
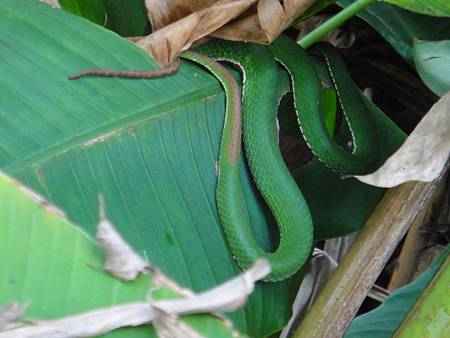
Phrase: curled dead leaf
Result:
[164,44]
[423,155]
[182,22]
[271,18]
[162,13]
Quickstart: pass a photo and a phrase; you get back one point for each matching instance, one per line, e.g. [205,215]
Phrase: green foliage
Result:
[47,262]
[127,17]
[432,61]
[430,316]
[93,10]
[385,320]
[149,146]
[427,7]
[57,269]
[400,27]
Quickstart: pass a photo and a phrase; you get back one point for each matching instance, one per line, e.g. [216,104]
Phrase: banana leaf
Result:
[148,146]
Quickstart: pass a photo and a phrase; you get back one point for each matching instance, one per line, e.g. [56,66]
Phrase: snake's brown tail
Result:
[128,73]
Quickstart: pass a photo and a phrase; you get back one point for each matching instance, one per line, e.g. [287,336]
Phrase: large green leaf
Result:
[149,146]
[432,60]
[400,27]
[57,269]
[384,320]
[428,7]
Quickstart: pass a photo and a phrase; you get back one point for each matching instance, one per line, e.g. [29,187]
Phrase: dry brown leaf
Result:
[267,23]
[423,155]
[228,296]
[164,44]
[161,13]
[121,260]
[180,23]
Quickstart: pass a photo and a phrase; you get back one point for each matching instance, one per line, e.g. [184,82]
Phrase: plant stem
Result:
[339,300]
[333,22]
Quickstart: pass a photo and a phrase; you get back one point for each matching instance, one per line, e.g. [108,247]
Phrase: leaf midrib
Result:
[146,114]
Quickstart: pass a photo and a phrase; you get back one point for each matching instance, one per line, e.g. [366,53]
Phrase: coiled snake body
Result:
[261,92]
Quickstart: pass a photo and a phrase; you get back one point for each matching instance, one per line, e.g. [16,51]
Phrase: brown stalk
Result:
[342,296]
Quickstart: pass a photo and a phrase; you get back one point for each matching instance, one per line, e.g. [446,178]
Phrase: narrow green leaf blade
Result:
[384,320]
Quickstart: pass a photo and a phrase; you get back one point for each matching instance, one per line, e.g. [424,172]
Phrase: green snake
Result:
[262,90]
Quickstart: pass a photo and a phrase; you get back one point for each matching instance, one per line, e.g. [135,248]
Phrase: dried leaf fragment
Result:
[180,23]
[121,260]
[86,324]
[228,296]
[423,155]
[225,297]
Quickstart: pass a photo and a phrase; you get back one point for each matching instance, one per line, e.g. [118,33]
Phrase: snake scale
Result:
[261,93]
